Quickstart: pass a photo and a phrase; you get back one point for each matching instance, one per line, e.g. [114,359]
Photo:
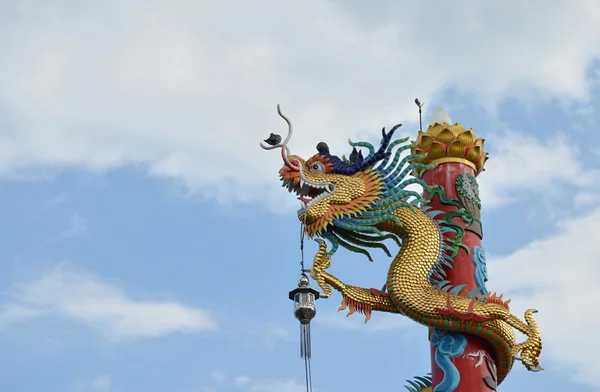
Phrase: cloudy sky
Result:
[148,246]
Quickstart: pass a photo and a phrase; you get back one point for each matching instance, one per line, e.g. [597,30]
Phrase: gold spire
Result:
[449,143]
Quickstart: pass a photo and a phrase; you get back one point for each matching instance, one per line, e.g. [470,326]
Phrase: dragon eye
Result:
[317,168]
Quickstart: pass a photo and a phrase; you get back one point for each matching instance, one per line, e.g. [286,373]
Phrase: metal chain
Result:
[307,367]
[302,248]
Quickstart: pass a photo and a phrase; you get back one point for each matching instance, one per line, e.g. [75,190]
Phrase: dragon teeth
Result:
[305,186]
[304,189]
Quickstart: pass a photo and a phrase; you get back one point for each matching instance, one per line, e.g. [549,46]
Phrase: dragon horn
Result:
[379,155]
[285,151]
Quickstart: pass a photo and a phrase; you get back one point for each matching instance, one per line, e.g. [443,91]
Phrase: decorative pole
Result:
[437,277]
[460,157]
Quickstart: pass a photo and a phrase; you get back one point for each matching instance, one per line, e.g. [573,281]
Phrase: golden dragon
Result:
[359,202]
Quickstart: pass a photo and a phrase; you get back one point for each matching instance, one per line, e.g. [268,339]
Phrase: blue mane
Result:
[358,231]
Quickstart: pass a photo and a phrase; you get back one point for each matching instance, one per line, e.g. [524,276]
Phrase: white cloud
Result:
[264,335]
[273,334]
[84,298]
[99,384]
[558,275]
[171,86]
[59,199]
[77,226]
[585,199]
[521,162]
[219,376]
[241,380]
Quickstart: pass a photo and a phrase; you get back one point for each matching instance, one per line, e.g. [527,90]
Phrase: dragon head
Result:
[329,188]
[337,192]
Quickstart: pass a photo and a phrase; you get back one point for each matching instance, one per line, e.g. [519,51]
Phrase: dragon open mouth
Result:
[309,192]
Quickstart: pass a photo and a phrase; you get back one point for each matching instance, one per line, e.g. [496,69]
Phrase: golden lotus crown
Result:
[450,143]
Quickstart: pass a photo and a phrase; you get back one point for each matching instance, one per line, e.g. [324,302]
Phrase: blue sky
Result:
[146,241]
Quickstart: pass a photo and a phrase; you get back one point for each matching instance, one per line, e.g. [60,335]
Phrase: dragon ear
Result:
[323,148]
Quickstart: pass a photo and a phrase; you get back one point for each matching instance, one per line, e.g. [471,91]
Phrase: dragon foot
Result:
[529,365]
[354,306]
[320,263]
[531,349]
[357,299]
[529,358]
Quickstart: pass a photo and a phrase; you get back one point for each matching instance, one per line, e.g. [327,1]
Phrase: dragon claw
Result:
[529,351]
[529,359]
[353,306]
[531,367]
[320,263]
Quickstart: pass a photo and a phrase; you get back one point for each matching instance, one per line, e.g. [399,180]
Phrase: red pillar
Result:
[463,272]
[458,152]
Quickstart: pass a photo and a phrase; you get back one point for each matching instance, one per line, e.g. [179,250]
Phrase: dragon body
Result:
[360,202]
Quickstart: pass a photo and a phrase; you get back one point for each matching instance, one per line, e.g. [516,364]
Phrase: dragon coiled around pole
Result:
[359,202]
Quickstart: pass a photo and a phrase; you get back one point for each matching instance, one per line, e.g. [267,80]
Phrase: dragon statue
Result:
[359,202]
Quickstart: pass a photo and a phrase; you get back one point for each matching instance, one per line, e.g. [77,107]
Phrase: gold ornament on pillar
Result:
[449,143]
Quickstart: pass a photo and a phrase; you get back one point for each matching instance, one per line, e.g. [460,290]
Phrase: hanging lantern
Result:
[304,309]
